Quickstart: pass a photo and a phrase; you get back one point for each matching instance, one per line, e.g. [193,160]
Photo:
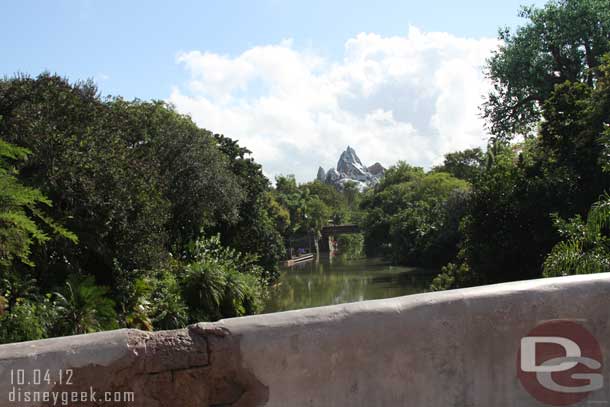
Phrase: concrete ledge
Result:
[455,348]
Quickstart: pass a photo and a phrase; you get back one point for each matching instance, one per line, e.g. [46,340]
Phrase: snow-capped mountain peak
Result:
[351,169]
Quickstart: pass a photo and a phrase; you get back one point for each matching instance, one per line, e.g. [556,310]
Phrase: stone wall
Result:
[456,348]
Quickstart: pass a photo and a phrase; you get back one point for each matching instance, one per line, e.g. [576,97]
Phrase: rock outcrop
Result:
[332,176]
[376,169]
[321,175]
[350,169]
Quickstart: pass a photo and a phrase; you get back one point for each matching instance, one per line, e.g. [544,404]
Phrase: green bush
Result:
[586,248]
[351,246]
[84,307]
[167,307]
[453,276]
[220,282]
[28,320]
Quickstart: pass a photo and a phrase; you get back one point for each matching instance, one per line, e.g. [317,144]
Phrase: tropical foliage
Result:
[586,248]
[101,203]
[21,220]
[546,161]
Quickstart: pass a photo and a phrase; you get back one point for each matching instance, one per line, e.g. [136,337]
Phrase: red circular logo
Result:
[560,363]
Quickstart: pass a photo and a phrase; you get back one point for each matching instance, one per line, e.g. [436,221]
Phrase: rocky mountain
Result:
[350,169]
[376,169]
[321,175]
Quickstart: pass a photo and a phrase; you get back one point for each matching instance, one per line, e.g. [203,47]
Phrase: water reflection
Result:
[340,280]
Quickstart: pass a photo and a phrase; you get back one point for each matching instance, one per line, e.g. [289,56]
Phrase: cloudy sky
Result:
[294,81]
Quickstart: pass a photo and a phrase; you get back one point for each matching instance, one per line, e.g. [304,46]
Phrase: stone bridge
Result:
[456,348]
[331,231]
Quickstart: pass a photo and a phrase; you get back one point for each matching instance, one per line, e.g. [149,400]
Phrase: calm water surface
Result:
[338,280]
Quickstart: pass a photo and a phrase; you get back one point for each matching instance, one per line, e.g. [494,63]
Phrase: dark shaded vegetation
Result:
[124,214]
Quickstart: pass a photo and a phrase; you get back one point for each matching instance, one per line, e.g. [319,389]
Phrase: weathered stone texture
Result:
[455,348]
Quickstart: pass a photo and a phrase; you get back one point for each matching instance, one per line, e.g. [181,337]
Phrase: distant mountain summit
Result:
[350,169]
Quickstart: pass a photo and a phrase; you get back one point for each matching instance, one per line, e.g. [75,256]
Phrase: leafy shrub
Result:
[221,282]
[28,320]
[167,307]
[453,276]
[351,246]
[84,307]
[586,248]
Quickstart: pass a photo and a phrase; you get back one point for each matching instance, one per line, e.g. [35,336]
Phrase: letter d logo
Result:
[528,353]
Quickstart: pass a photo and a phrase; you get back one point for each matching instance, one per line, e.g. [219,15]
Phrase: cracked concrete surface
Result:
[455,348]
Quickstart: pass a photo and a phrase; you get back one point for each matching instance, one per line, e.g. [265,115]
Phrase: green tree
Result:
[466,165]
[257,229]
[101,189]
[336,201]
[29,319]
[193,179]
[289,196]
[136,182]
[167,307]
[562,41]
[317,214]
[413,217]
[380,203]
[579,136]
[509,229]
[21,219]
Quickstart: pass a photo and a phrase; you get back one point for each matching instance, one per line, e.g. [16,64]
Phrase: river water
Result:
[336,280]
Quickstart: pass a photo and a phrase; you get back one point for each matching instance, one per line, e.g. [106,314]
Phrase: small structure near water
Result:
[298,259]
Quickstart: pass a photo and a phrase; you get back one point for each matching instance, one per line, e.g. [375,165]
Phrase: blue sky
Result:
[182,50]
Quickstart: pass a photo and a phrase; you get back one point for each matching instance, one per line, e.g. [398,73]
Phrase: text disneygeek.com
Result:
[30,387]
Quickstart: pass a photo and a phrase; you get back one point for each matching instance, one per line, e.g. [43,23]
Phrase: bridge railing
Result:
[455,348]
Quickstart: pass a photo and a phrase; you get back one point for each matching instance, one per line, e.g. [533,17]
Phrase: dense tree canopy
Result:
[466,165]
[107,205]
[259,225]
[413,217]
[562,41]
[311,206]
[586,245]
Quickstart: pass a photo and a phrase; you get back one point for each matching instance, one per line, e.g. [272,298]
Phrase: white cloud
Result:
[410,98]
